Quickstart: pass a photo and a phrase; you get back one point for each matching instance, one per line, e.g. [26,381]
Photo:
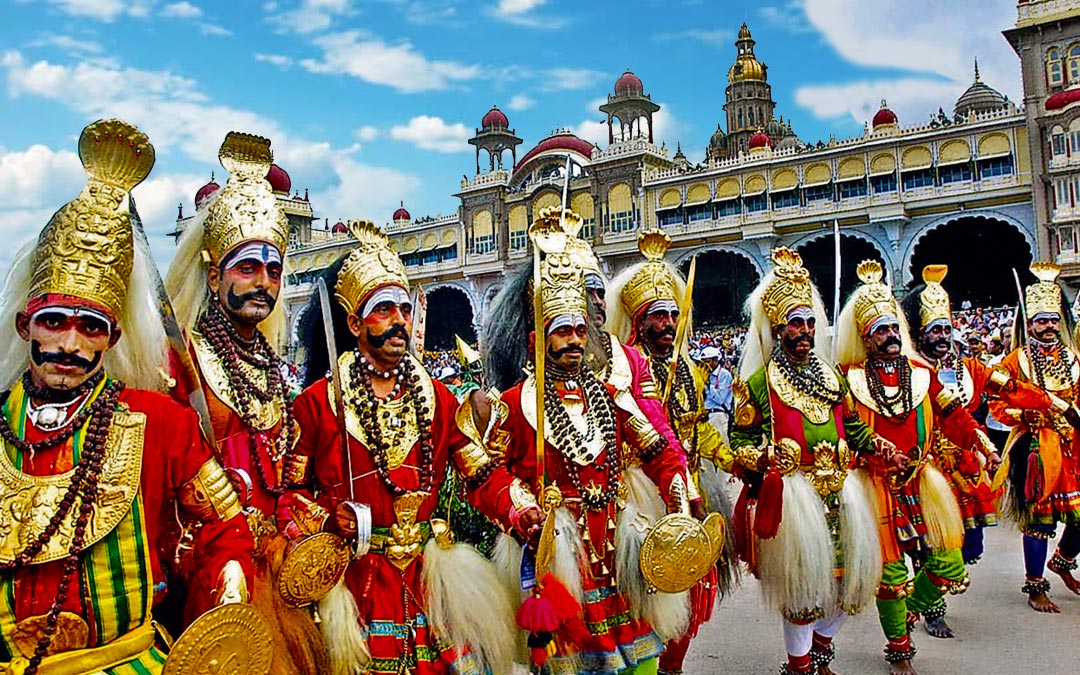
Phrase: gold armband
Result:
[209,496]
[472,459]
[948,400]
[494,439]
[999,379]
[648,389]
[309,516]
[745,410]
[232,585]
[1059,405]
[984,443]
[747,455]
[521,496]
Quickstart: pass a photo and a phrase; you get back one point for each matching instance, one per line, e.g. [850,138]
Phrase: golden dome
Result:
[746,69]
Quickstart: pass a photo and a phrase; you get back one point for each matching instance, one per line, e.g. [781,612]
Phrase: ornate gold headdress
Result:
[934,300]
[370,266]
[790,289]
[1043,296]
[246,208]
[579,250]
[562,279]
[87,249]
[653,281]
[874,299]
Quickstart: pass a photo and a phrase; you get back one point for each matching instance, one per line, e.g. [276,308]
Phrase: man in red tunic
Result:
[582,482]
[225,282]
[1044,448]
[902,401]
[94,473]
[412,600]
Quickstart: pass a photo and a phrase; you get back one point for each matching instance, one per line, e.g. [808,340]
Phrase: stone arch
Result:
[817,250]
[985,278]
[725,277]
[445,316]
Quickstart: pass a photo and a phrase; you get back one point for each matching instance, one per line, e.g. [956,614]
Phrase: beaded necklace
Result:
[83,487]
[809,378]
[367,406]
[231,349]
[599,415]
[1060,367]
[897,407]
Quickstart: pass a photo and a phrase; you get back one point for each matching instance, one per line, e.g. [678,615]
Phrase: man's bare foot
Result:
[1063,568]
[1041,602]
[902,668]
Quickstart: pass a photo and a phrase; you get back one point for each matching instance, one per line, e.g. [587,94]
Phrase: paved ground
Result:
[997,632]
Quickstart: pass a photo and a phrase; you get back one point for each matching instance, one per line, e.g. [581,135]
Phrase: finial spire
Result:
[976,68]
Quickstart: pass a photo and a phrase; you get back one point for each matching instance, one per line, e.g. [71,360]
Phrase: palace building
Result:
[984,188]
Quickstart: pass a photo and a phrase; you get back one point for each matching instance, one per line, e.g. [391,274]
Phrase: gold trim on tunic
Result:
[266,415]
[920,387]
[815,410]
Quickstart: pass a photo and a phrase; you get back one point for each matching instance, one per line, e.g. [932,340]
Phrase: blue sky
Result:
[368,102]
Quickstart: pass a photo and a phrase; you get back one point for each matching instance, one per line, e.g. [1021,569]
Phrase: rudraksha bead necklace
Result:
[899,405]
[808,379]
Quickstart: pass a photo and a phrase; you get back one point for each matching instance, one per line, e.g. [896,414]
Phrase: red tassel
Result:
[572,628]
[770,505]
[537,615]
[538,655]
[1033,485]
[703,601]
[739,526]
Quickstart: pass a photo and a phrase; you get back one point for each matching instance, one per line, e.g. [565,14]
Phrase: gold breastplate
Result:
[266,415]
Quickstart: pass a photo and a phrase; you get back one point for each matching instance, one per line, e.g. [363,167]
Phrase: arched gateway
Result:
[449,313]
[722,282]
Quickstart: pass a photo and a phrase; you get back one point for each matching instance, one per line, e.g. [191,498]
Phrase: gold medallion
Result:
[312,568]
[233,639]
[71,632]
[678,551]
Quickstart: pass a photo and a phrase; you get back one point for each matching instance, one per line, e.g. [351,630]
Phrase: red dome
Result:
[759,140]
[495,118]
[1062,99]
[339,228]
[563,140]
[205,191]
[884,116]
[629,83]
[279,180]
[402,214]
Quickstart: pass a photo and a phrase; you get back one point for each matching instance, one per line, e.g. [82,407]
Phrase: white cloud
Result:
[432,133]
[181,10]
[67,44]
[367,133]
[790,17]
[520,102]
[102,10]
[919,37]
[712,37]
[279,60]
[398,66]
[214,30]
[518,6]
[310,16]
[177,116]
[564,79]
[520,13]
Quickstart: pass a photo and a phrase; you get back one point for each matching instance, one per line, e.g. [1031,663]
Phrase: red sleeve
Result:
[181,391]
[491,495]
[663,466]
[173,436]
[999,408]
[958,426]
[652,408]
[1015,394]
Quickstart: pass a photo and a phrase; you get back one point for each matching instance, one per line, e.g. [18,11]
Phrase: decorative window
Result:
[1061,194]
[518,239]
[955,173]
[883,183]
[1055,75]
[728,207]
[756,203]
[485,244]
[850,189]
[698,213]
[785,199]
[996,166]
[1074,63]
[920,178]
[1057,144]
[1074,142]
[1066,240]
[669,217]
[819,193]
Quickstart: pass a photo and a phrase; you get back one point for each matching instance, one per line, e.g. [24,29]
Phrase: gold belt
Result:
[90,660]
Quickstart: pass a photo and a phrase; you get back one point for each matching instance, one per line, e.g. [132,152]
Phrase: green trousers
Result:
[647,667]
[892,613]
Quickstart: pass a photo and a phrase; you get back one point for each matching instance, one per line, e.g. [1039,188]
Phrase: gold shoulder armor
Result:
[489,445]
[745,410]
[999,380]
[209,496]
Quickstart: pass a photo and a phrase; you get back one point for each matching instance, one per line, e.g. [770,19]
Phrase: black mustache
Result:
[378,341]
[565,350]
[666,331]
[236,302]
[62,358]
[892,341]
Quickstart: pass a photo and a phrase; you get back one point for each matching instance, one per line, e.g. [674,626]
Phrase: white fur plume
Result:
[859,541]
[345,643]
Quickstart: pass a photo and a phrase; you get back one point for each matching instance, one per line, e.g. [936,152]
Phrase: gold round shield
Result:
[312,568]
[232,638]
[676,553]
